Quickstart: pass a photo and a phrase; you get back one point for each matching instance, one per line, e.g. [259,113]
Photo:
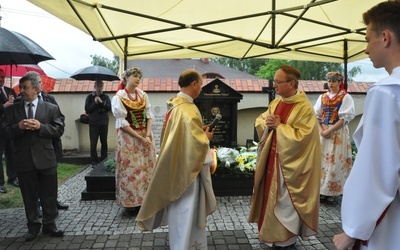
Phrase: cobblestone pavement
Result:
[103,225]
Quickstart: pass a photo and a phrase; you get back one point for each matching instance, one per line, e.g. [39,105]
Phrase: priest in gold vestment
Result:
[180,194]
[285,202]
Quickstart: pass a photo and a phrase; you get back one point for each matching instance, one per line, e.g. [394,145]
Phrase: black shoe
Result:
[132,211]
[14,182]
[290,247]
[3,189]
[31,235]
[53,232]
[62,206]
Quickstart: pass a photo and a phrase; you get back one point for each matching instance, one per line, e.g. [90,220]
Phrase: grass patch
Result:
[13,198]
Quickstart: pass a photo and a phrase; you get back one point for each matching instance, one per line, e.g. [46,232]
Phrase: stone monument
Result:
[219,98]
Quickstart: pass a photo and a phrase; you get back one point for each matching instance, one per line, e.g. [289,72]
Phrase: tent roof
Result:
[317,30]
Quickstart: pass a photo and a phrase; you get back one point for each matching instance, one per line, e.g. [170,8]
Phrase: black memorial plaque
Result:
[218,98]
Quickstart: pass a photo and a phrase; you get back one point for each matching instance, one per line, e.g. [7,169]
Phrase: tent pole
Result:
[345,56]
[273,25]
[125,53]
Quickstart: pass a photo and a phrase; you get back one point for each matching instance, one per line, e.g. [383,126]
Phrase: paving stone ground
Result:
[101,224]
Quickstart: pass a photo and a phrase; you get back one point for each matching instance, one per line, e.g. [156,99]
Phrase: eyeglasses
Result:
[276,82]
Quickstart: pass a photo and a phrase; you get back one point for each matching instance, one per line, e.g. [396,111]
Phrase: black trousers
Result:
[44,183]
[95,132]
[6,148]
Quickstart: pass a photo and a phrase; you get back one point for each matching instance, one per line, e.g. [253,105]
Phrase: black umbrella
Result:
[95,73]
[16,48]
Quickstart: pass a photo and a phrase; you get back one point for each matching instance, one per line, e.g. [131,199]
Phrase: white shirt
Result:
[35,102]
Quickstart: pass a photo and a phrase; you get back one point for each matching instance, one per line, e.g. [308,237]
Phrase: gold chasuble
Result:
[290,153]
[184,146]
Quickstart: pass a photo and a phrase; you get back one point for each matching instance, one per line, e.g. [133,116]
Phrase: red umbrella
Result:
[47,84]
[21,69]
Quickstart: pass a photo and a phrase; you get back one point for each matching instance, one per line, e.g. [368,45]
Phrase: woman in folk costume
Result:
[334,110]
[135,148]
[285,202]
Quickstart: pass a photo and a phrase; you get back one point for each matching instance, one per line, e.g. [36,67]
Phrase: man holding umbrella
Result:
[97,105]
[7,96]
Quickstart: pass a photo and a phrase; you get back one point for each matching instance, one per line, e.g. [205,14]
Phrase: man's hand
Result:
[8,103]
[29,124]
[273,121]
[209,133]
[343,241]
[98,100]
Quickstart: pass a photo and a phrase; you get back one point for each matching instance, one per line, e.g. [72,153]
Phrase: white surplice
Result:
[184,232]
[374,182]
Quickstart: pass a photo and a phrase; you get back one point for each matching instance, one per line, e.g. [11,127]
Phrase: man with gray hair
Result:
[57,144]
[32,124]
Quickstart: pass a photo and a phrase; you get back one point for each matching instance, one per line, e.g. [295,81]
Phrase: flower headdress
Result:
[132,71]
[336,76]
[127,73]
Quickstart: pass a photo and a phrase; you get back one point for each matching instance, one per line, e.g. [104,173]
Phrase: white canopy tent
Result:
[315,30]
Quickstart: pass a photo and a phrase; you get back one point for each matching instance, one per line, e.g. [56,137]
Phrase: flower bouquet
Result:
[239,162]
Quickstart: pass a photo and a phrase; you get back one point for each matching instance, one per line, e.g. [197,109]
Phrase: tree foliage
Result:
[250,66]
[105,62]
[309,70]
[266,68]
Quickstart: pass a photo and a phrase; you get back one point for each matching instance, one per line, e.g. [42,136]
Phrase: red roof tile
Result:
[171,85]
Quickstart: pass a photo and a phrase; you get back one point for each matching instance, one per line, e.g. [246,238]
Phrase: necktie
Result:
[30,110]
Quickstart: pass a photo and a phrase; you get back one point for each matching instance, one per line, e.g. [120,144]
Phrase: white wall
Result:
[76,135]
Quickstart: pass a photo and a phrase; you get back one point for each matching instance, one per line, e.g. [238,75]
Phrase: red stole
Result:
[358,242]
[283,110]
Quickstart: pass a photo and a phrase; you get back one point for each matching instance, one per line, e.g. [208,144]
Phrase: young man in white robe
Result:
[371,199]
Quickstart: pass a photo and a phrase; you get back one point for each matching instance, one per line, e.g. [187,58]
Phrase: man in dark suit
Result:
[34,155]
[97,106]
[7,96]
[57,144]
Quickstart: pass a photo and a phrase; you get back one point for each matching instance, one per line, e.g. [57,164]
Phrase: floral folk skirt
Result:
[336,162]
[133,170]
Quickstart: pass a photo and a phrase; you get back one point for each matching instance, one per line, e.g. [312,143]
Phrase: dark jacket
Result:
[33,149]
[98,113]
[57,144]
[4,100]
[56,141]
